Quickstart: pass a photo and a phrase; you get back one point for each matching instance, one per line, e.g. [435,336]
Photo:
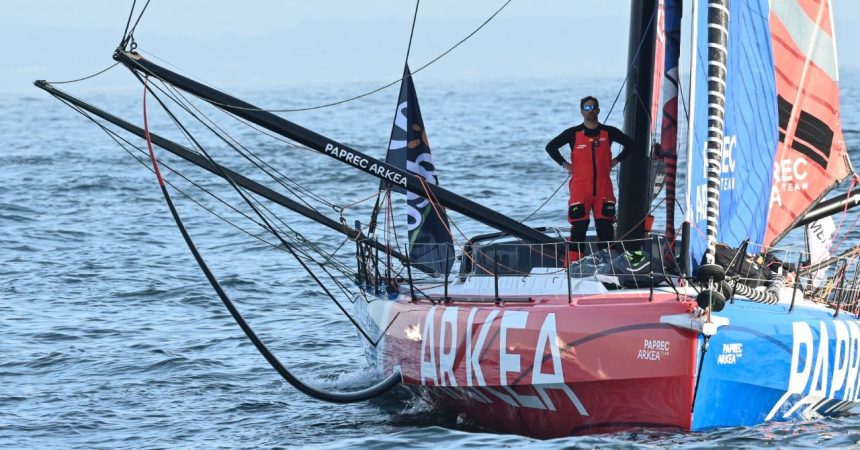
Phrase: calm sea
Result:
[111,336]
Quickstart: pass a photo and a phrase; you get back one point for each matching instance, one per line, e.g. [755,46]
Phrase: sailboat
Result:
[519,340]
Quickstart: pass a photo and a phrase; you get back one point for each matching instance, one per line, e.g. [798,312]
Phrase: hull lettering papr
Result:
[825,360]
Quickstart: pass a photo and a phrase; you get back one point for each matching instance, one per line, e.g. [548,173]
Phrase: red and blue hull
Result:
[547,368]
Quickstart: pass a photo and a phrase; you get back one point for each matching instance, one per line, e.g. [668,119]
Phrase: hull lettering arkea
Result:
[359,161]
[441,350]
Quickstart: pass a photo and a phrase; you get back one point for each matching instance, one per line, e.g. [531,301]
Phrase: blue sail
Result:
[750,134]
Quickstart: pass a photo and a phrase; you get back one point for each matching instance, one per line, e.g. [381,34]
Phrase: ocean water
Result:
[112,337]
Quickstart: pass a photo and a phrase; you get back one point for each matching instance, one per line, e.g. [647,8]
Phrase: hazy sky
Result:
[270,42]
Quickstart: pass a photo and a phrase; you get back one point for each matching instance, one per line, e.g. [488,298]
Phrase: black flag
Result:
[430,241]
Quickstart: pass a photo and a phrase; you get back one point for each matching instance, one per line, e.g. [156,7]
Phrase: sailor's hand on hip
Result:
[566,166]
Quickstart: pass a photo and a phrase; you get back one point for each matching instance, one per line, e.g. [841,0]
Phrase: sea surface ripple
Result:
[112,337]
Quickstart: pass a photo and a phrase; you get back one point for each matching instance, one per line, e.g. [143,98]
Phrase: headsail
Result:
[750,132]
[430,241]
[811,157]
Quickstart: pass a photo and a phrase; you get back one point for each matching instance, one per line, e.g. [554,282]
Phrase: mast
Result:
[336,150]
[634,200]
[710,275]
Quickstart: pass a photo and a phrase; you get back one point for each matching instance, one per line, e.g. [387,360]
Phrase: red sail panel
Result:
[811,156]
[659,58]
[671,11]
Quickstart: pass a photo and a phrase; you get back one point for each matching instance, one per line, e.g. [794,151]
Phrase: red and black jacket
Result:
[590,156]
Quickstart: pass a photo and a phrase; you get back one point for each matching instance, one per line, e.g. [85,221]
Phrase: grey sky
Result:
[270,42]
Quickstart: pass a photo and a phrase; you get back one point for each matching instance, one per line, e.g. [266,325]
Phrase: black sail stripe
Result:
[814,131]
[809,153]
[810,129]
[784,112]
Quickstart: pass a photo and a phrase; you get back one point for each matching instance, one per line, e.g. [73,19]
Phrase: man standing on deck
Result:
[591,159]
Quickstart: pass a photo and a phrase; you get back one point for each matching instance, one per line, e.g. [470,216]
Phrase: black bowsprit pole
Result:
[334,149]
[221,171]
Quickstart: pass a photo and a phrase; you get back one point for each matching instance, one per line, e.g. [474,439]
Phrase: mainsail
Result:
[750,131]
[811,156]
[430,241]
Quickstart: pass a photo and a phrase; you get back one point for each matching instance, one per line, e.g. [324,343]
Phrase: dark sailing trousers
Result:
[579,229]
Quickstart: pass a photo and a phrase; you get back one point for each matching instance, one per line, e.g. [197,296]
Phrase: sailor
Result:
[591,189]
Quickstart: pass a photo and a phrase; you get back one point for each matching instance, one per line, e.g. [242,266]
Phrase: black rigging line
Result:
[412,32]
[128,34]
[175,95]
[376,208]
[371,92]
[124,142]
[262,217]
[122,42]
[86,77]
[443,54]
[614,102]
[234,145]
[334,397]
[630,69]
[140,16]
[117,138]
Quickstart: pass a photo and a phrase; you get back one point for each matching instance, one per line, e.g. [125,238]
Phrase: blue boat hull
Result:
[770,364]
